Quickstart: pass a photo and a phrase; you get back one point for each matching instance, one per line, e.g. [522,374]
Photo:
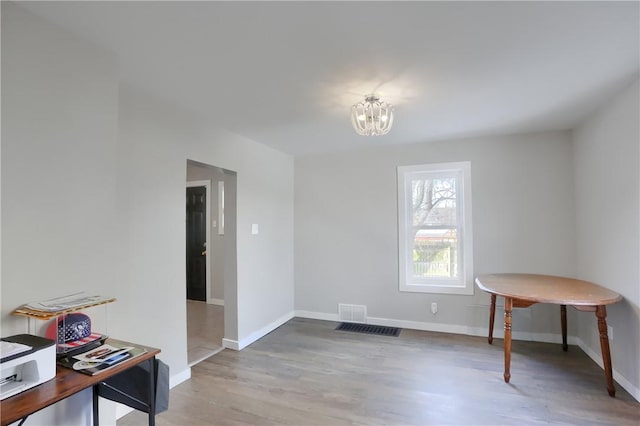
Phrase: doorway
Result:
[210,256]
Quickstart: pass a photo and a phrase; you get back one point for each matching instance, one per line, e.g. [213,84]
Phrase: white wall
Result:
[346,241]
[93,180]
[155,141]
[59,110]
[606,149]
[59,116]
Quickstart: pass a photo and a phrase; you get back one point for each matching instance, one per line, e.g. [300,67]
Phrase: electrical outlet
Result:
[610,332]
[434,308]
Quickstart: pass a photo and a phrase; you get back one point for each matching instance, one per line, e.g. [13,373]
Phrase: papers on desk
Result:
[101,358]
[102,353]
[71,301]
[8,349]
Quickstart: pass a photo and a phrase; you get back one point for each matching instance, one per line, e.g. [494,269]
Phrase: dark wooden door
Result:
[196,243]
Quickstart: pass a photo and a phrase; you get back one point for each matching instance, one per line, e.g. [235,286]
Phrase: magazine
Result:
[101,358]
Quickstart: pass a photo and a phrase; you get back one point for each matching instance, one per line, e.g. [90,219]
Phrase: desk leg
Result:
[563,320]
[152,391]
[508,308]
[492,317]
[96,414]
[601,314]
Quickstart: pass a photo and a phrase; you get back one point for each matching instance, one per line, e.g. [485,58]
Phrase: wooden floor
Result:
[306,373]
[205,330]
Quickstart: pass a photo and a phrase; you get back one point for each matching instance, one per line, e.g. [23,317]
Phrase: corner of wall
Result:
[258,334]
[622,381]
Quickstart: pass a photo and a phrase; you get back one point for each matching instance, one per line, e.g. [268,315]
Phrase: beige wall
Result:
[607,177]
[346,229]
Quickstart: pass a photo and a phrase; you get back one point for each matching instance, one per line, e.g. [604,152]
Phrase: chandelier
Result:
[372,117]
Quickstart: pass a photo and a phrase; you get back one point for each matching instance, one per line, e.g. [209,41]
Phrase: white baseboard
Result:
[230,344]
[219,302]
[243,343]
[180,377]
[238,345]
[597,358]
[498,332]
[122,410]
[317,315]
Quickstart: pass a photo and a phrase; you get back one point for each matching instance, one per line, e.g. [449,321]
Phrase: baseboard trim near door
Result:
[230,344]
[219,302]
[238,345]
[180,377]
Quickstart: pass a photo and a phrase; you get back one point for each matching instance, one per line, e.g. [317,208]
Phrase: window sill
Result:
[466,290]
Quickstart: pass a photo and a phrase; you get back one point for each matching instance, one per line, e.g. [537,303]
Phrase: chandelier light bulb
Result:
[372,117]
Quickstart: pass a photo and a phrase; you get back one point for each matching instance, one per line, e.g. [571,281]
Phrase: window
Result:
[434,228]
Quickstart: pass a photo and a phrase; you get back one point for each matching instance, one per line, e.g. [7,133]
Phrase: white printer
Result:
[29,360]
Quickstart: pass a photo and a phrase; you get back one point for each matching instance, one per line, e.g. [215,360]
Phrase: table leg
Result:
[152,391]
[563,320]
[508,308]
[96,414]
[601,314]
[492,316]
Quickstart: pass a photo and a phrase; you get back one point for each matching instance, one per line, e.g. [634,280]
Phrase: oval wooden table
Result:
[523,290]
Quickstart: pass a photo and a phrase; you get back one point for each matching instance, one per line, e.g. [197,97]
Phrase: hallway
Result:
[205,330]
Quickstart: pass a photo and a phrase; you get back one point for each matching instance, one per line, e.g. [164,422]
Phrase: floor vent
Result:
[379,330]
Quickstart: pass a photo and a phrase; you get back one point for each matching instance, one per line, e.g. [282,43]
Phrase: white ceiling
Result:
[286,73]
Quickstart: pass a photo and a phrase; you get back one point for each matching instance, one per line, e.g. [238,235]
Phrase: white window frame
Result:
[463,284]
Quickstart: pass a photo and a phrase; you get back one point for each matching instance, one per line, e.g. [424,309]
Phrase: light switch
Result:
[254,229]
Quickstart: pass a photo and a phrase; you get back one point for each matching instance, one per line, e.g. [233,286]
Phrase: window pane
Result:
[434,201]
[435,253]
[433,238]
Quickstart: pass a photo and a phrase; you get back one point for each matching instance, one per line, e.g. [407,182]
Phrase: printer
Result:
[28,361]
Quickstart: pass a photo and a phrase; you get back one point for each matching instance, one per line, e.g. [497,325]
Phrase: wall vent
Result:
[352,313]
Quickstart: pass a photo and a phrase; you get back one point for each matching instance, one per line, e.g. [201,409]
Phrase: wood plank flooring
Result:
[205,330]
[306,373]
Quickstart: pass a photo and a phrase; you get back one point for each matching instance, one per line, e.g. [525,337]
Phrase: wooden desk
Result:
[68,382]
[522,290]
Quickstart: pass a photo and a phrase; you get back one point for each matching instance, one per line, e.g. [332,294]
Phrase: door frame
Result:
[207,261]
